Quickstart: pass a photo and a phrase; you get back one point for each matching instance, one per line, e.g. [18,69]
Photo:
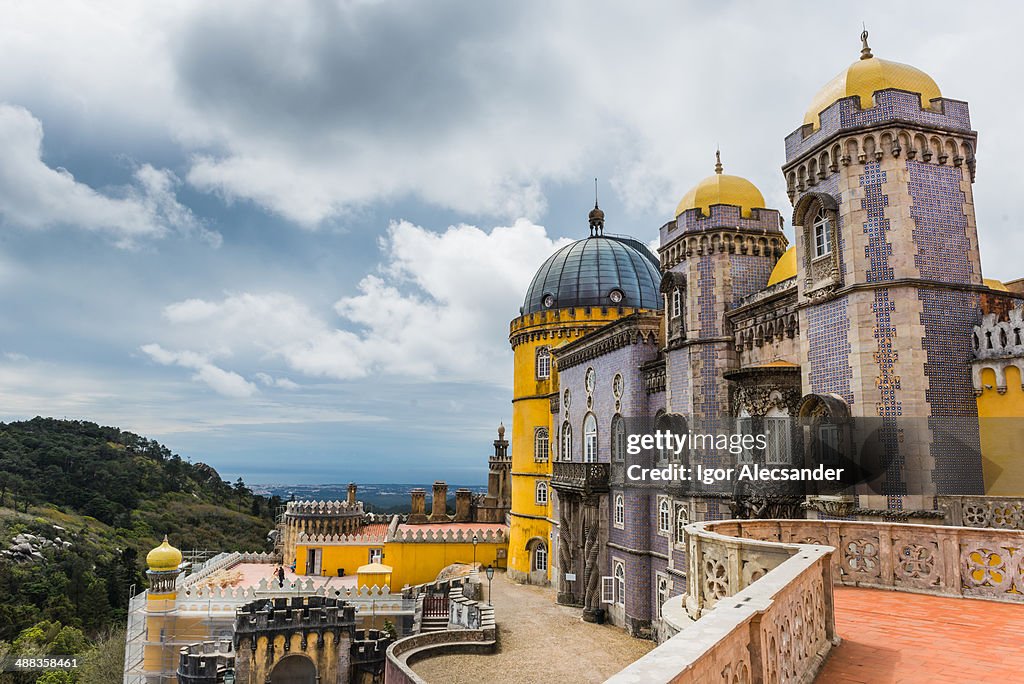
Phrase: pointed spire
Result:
[718,160]
[865,50]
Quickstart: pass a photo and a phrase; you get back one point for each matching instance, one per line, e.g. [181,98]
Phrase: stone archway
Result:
[294,669]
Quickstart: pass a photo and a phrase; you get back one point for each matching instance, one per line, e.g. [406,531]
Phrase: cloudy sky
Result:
[286,238]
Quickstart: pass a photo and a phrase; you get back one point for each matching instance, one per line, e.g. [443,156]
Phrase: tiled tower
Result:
[880,178]
[721,247]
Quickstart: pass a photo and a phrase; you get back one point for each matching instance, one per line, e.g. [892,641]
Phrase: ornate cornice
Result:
[634,329]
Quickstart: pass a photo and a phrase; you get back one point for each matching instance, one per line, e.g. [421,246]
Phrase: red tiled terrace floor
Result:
[892,636]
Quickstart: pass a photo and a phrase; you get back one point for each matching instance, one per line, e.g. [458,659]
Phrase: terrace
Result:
[791,600]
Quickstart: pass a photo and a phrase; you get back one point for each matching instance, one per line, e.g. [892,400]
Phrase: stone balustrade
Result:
[1002,512]
[761,590]
[928,559]
[765,613]
[225,560]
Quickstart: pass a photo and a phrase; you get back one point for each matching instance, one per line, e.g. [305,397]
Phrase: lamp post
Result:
[490,576]
[476,540]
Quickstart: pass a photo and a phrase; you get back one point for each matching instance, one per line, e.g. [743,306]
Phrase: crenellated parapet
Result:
[316,629]
[323,508]
[450,536]
[998,344]
[563,324]
[890,106]
[200,663]
[340,539]
[720,237]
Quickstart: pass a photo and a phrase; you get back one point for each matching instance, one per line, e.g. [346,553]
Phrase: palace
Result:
[340,586]
[878,317]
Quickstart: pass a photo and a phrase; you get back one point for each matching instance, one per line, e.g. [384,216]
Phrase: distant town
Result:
[378,498]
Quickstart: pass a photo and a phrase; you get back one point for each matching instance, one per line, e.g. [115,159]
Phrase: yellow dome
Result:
[164,558]
[993,284]
[867,75]
[785,267]
[721,188]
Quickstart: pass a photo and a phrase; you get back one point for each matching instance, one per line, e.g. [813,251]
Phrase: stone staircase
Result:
[437,623]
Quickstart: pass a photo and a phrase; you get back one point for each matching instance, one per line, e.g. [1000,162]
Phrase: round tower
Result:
[581,287]
[163,569]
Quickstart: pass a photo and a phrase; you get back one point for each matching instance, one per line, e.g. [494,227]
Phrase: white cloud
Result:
[35,196]
[227,383]
[312,110]
[437,308]
[267,380]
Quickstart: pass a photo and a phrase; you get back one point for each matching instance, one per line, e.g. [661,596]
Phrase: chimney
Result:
[417,514]
[438,511]
[351,494]
[463,498]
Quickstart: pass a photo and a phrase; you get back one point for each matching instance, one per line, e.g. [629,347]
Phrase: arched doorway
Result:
[294,669]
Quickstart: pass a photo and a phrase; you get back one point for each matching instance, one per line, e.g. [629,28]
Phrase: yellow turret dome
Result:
[721,188]
[867,75]
[164,558]
[785,267]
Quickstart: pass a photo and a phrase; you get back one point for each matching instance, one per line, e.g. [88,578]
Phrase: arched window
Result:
[540,556]
[620,584]
[822,234]
[662,592]
[566,442]
[682,520]
[618,438]
[620,510]
[542,494]
[590,439]
[543,363]
[677,303]
[664,517]
[540,445]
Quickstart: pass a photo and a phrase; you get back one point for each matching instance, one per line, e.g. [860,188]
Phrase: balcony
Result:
[580,478]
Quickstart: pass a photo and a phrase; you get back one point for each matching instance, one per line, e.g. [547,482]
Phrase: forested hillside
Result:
[81,505]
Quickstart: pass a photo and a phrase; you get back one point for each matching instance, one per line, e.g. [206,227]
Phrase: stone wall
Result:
[760,591]
[767,614]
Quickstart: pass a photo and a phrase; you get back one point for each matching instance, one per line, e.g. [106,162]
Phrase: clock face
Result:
[616,296]
[617,386]
[589,380]
[549,301]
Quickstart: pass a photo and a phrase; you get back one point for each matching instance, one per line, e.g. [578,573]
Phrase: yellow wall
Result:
[411,562]
[163,623]
[531,408]
[1002,433]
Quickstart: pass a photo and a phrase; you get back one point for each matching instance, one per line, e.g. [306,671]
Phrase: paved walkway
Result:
[540,643]
[909,638]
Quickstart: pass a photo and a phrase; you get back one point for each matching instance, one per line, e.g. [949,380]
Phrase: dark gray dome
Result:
[586,273]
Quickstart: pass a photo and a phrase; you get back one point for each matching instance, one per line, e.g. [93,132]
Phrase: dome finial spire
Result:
[596,217]
[865,50]
[718,160]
